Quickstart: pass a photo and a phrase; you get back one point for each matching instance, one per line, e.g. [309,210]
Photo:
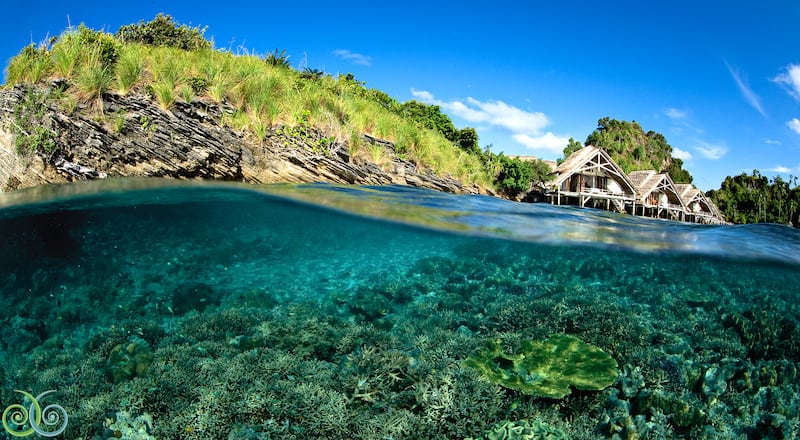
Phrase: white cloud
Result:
[710,151]
[674,113]
[526,127]
[465,112]
[547,142]
[790,80]
[794,124]
[496,113]
[357,58]
[681,154]
[507,116]
[772,142]
[780,169]
[422,95]
[748,94]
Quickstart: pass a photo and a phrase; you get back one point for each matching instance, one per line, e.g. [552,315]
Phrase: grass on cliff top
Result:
[264,95]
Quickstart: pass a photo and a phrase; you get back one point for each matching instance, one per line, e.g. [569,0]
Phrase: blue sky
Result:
[720,80]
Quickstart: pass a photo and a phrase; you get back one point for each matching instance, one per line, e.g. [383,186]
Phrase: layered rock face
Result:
[136,138]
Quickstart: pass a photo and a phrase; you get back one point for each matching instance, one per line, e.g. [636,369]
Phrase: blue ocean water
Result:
[163,309]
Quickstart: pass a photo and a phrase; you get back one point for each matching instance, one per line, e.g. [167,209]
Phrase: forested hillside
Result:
[758,199]
[634,149]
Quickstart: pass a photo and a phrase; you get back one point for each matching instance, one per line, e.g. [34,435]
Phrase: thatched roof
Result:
[690,194]
[647,181]
[644,181]
[589,160]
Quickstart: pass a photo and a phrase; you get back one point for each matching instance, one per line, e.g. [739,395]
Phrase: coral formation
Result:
[124,425]
[547,368]
[310,329]
[522,430]
[129,360]
[765,336]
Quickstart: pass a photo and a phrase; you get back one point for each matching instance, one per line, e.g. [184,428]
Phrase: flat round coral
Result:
[547,368]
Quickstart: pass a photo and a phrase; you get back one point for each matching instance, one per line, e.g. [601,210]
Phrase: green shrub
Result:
[32,133]
[104,47]
[515,175]
[162,31]
[278,59]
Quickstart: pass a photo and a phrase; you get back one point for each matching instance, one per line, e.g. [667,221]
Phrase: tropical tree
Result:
[677,173]
[430,116]
[312,74]
[278,59]
[572,146]
[468,140]
[756,199]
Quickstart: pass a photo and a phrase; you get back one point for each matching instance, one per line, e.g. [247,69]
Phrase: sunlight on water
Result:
[182,310]
[555,225]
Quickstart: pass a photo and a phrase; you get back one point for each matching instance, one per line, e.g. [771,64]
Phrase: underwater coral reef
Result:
[342,328]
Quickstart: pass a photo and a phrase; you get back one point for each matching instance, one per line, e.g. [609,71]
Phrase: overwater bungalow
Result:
[657,196]
[590,178]
[699,208]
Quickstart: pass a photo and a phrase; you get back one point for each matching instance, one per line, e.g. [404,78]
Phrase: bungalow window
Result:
[595,182]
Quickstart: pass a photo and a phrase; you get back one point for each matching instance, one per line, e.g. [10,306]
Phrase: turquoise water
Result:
[166,310]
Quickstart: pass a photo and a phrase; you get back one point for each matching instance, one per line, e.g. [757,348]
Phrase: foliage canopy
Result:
[757,199]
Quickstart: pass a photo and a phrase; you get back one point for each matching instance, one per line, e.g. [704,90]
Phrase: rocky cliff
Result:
[132,136]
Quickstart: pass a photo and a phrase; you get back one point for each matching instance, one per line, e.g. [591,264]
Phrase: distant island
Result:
[156,99]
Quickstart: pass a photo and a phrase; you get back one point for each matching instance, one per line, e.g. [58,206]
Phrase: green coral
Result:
[523,430]
[682,412]
[129,360]
[547,368]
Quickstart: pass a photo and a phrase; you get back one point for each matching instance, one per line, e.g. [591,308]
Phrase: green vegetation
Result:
[547,368]
[633,149]
[31,130]
[162,31]
[515,176]
[173,63]
[757,199]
